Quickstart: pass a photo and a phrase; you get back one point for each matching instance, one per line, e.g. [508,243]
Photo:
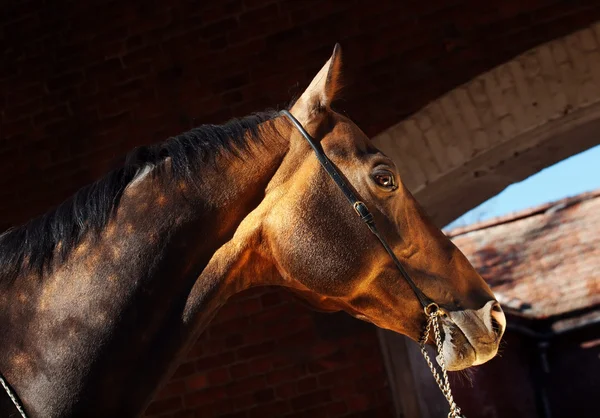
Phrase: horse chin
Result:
[458,353]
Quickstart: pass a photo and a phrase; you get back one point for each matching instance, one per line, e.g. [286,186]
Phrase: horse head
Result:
[312,241]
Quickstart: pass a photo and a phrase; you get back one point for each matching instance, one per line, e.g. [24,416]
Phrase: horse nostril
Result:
[497,319]
[496,327]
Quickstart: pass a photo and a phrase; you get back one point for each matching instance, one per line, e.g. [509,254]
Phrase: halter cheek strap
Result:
[360,208]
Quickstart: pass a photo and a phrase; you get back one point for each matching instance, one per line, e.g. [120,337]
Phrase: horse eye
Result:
[385,179]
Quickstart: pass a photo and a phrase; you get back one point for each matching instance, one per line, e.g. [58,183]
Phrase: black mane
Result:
[32,246]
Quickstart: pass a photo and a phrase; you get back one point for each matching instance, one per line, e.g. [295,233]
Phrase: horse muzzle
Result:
[472,337]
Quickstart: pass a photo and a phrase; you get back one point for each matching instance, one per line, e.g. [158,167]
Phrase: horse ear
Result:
[322,90]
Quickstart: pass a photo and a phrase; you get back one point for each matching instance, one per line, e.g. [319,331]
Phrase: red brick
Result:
[336,409]
[256,334]
[218,376]
[229,327]
[264,395]
[215,345]
[57,113]
[336,377]
[261,365]
[243,401]
[238,371]
[207,363]
[328,349]
[105,70]
[300,337]
[284,375]
[373,368]
[175,387]
[307,384]
[310,399]
[207,396]
[165,405]
[269,316]
[369,384]
[13,128]
[281,360]
[255,350]
[359,402]
[302,320]
[196,351]
[276,409]
[243,386]
[215,29]
[197,381]
[269,12]
[186,369]
[286,390]
[235,340]
[65,80]
[223,408]
[343,390]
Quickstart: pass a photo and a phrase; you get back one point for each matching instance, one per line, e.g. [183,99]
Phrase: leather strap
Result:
[358,205]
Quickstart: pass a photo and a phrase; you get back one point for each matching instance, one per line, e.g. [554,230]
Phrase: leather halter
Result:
[360,208]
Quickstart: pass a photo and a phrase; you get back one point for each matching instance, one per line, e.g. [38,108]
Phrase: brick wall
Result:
[266,356]
[83,82]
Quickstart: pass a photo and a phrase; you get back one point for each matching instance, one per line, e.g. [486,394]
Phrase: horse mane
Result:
[32,246]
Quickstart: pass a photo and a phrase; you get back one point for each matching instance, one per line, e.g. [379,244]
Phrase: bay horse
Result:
[100,296]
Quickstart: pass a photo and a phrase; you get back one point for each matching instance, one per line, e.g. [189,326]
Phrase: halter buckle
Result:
[357,205]
[360,208]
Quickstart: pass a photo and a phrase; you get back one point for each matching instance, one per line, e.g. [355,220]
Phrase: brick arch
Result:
[502,126]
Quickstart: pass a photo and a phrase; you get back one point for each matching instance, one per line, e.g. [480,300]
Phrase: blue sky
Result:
[577,174]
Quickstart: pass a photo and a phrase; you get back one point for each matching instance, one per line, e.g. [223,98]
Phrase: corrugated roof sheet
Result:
[541,262]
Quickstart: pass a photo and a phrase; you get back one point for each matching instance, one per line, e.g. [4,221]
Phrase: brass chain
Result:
[433,314]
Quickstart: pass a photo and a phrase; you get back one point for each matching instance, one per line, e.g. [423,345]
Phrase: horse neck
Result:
[98,335]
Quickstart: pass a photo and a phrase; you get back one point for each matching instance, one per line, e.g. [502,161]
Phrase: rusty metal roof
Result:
[542,262]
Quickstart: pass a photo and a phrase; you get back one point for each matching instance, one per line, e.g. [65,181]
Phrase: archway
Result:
[502,126]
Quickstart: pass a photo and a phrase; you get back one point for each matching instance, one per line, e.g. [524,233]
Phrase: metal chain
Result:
[13,398]
[433,313]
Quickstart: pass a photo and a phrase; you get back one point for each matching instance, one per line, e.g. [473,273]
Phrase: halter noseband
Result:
[360,208]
